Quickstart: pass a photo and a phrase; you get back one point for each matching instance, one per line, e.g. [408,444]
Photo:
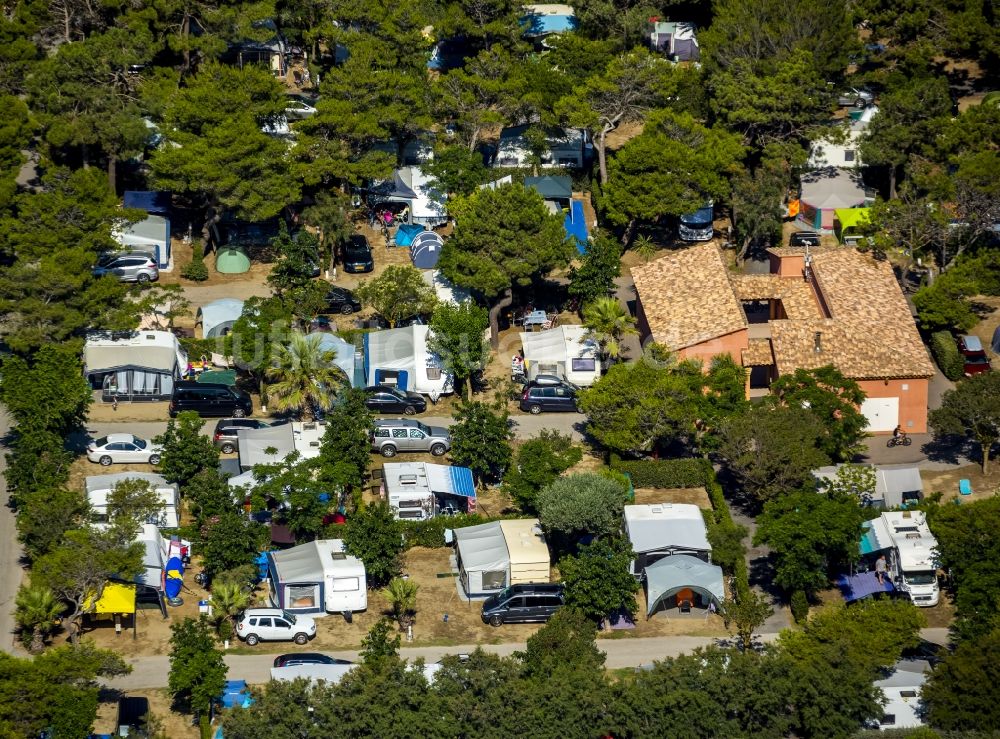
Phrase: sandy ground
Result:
[946,482]
[695,496]
[171,723]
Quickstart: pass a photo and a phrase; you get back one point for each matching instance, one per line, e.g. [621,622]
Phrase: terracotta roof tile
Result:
[795,294]
[758,353]
[687,297]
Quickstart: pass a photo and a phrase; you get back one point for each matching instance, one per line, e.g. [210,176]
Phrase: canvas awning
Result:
[253,444]
[892,482]
[482,548]
[219,315]
[153,231]
[670,575]
[851,217]
[299,564]
[346,354]
[448,480]
[115,598]
[559,344]
[391,349]
[874,536]
[832,188]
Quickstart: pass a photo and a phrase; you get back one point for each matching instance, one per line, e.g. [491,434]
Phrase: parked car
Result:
[308,658]
[128,267]
[387,399]
[544,396]
[209,399]
[804,238]
[123,449]
[858,97]
[341,300]
[531,602]
[298,107]
[226,437]
[358,255]
[407,435]
[274,624]
[974,355]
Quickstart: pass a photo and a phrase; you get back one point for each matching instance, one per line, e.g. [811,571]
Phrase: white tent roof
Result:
[482,548]
[831,188]
[558,344]
[346,353]
[666,525]
[679,572]
[426,203]
[152,231]
[330,673]
[98,486]
[254,442]
[158,350]
[219,312]
[312,561]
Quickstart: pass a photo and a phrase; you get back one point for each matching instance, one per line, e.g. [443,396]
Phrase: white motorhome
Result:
[316,578]
[911,553]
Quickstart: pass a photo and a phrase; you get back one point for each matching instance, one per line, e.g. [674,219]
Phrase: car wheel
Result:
[228,448]
[496,620]
[154,458]
[409,410]
[142,279]
[388,450]
[239,413]
[346,309]
[252,640]
[106,461]
[300,639]
[535,410]
[438,450]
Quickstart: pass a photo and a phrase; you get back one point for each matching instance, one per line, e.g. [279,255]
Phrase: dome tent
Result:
[218,317]
[232,261]
[425,251]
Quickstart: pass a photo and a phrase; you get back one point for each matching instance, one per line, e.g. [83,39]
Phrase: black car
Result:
[804,238]
[209,399]
[308,658]
[358,255]
[542,396]
[531,602]
[341,300]
[386,399]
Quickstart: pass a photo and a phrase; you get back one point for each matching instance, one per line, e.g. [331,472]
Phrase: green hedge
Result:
[947,355]
[430,533]
[662,473]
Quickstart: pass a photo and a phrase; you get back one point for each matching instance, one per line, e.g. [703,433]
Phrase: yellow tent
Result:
[116,598]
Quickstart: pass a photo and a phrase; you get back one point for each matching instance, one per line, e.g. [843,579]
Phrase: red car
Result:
[974,355]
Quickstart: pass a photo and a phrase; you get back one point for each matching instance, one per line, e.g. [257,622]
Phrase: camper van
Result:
[911,554]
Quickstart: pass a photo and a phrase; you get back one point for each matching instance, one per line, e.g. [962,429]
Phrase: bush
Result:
[800,606]
[196,270]
[947,355]
[430,533]
[665,473]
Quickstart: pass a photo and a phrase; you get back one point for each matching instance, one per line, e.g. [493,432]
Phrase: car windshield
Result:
[920,578]
[141,443]
[102,441]
[289,617]
[422,427]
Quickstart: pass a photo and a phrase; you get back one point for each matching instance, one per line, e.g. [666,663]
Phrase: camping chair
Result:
[965,487]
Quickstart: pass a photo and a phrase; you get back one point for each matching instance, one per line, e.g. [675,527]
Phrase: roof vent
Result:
[407,479]
[656,509]
[818,342]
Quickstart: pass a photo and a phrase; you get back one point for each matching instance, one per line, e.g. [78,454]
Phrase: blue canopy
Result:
[236,693]
[147,200]
[425,251]
[449,480]
[576,227]
[407,232]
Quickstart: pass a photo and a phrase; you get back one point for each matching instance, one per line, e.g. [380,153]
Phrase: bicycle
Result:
[899,441]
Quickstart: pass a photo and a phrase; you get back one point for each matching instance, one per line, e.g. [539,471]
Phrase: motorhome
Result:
[910,551]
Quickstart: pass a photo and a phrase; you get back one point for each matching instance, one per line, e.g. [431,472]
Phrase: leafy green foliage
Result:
[379,643]
[747,613]
[399,292]
[582,503]
[196,270]
[799,605]
[344,452]
[293,482]
[539,461]
[852,480]
[947,356]
[37,461]
[131,503]
[229,540]
[304,377]
[208,494]
[186,451]
[959,692]
[458,338]
[662,473]
[772,450]
[45,515]
[401,593]
[609,322]
[833,400]
[811,535]
[599,580]
[298,255]
[971,409]
[456,170]
[37,613]
[374,536]
[47,392]
[197,672]
[480,439]
[599,266]
[263,325]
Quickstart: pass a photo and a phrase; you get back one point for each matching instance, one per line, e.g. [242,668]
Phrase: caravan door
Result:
[348,593]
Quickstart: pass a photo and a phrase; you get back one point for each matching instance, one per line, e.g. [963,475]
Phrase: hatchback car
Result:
[530,602]
[537,397]
[406,435]
[274,624]
[132,267]
[386,399]
[358,255]
[123,449]
[341,300]
[209,399]
[804,238]
[307,658]
[855,96]
[973,355]
[226,437]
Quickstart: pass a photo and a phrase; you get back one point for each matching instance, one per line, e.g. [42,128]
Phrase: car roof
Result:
[120,437]
[972,343]
[359,241]
[396,422]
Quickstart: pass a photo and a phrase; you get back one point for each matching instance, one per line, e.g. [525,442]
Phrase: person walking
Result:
[880,569]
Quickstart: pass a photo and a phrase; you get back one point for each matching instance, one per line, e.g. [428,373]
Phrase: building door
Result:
[882,413]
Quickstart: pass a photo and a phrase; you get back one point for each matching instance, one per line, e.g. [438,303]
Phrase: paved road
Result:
[10,552]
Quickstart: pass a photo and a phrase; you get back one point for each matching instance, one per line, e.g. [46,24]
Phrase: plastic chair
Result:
[965,487]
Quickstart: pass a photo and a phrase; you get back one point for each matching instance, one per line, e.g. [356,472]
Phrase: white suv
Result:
[274,624]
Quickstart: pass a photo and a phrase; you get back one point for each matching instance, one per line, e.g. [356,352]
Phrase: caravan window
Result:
[584,365]
[346,584]
[494,580]
[433,373]
[417,514]
[301,596]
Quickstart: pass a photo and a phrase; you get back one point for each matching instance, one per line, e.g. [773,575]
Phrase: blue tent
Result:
[346,354]
[407,232]
[425,251]
[576,227]
[236,693]
[154,203]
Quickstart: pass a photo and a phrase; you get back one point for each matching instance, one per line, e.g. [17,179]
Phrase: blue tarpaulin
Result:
[862,585]
[576,226]
[407,232]
[236,693]
[538,24]
[174,577]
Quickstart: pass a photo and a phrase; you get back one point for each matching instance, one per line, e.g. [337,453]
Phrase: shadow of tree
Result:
[951,449]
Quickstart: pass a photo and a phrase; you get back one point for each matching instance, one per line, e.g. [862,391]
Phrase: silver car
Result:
[407,435]
[123,449]
[129,267]
[855,96]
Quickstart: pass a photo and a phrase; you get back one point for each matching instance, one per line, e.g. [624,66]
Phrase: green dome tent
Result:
[232,261]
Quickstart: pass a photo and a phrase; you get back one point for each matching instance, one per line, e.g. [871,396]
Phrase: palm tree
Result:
[304,376]
[609,322]
[37,613]
[402,596]
[229,598]
[644,247]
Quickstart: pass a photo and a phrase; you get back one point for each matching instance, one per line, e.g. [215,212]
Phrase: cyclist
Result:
[898,434]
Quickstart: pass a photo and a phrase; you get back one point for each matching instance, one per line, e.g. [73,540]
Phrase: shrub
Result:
[947,355]
[196,270]
[665,473]
[430,533]
[800,606]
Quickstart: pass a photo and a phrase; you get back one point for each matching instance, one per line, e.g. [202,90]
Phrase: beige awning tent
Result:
[529,555]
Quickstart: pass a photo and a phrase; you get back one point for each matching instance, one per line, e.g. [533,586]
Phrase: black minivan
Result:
[209,399]
[523,603]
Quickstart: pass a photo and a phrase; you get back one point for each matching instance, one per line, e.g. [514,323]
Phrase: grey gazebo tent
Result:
[254,443]
[670,576]
[483,559]
[218,317]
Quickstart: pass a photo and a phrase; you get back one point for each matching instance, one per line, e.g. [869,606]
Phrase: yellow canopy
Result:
[851,217]
[116,598]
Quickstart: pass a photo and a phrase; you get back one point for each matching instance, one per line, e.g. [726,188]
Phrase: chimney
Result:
[818,342]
